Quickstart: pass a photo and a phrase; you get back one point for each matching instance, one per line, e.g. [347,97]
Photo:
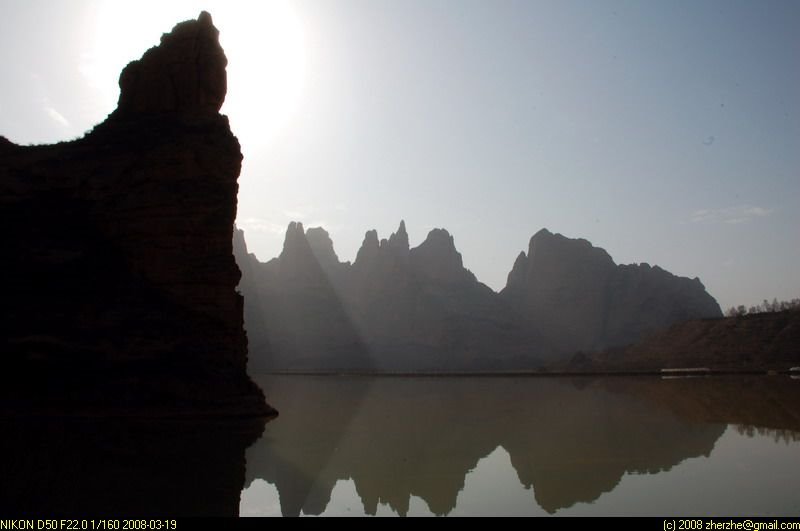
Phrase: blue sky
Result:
[665,132]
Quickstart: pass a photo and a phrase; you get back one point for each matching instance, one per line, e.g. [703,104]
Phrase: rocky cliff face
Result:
[581,300]
[119,278]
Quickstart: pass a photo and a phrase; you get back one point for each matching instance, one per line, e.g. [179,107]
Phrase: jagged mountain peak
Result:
[547,246]
[518,273]
[369,249]
[438,258]
[440,238]
[399,239]
[322,246]
[294,232]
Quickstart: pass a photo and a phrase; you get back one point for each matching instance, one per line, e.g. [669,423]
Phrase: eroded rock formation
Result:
[119,278]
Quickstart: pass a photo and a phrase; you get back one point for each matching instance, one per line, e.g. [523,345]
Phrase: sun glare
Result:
[264,43]
[266,66]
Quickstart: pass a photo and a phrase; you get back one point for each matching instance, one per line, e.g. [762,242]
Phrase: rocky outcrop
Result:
[186,73]
[575,295]
[119,278]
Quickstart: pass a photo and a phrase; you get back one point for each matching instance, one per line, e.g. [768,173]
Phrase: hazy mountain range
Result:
[398,309]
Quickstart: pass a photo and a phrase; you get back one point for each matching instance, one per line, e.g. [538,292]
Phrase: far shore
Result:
[661,373]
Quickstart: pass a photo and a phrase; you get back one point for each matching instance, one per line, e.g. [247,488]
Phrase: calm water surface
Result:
[409,446]
[527,446]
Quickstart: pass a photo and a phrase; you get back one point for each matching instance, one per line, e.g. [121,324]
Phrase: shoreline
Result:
[558,374]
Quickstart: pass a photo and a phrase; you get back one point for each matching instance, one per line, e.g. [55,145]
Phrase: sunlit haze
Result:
[666,133]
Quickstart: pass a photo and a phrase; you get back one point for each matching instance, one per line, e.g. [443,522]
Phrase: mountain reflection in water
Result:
[569,440]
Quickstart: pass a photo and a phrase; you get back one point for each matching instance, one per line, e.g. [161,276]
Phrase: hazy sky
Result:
[665,132]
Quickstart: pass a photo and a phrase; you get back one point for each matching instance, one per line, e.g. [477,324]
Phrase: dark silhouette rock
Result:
[580,300]
[119,277]
[124,468]
[185,73]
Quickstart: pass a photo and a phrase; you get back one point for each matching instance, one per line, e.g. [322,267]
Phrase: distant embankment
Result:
[763,341]
[118,273]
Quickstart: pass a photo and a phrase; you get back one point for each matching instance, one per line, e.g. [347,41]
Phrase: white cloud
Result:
[297,214]
[730,215]
[56,116]
[329,227]
[261,225]
[758,211]
[699,216]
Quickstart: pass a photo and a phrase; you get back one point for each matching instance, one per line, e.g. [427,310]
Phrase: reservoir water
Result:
[527,446]
[346,445]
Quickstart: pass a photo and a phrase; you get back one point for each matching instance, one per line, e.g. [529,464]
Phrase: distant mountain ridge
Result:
[403,309]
